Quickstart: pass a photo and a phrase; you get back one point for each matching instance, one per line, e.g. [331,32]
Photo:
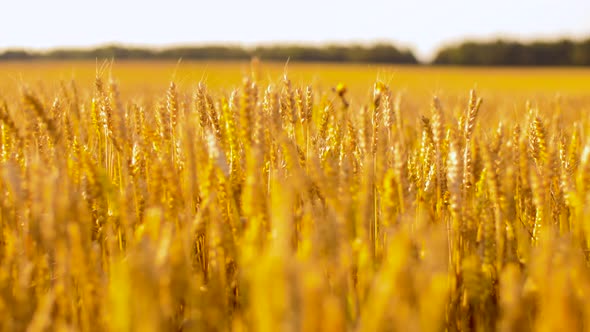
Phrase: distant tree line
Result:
[380,53]
[510,53]
[494,53]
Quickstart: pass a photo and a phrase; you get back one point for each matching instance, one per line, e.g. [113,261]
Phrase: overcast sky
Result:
[422,25]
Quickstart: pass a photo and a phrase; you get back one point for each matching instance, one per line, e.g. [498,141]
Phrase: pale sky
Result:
[422,25]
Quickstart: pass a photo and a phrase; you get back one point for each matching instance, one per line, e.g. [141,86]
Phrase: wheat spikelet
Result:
[287,104]
[6,118]
[299,105]
[232,134]
[307,112]
[325,119]
[163,122]
[380,92]
[112,121]
[172,105]
[35,104]
[538,200]
[214,117]
[538,142]
[388,113]
[118,117]
[246,111]
[10,133]
[471,116]
[201,106]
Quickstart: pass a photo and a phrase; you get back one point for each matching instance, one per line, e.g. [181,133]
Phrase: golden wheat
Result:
[288,208]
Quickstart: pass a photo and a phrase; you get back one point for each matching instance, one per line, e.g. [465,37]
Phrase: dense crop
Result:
[288,208]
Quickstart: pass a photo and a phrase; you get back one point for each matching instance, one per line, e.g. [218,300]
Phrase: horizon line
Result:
[248,45]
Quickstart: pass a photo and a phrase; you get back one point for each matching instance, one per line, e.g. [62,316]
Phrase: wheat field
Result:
[266,197]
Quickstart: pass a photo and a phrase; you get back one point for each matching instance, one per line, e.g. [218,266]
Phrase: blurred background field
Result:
[419,81]
[505,89]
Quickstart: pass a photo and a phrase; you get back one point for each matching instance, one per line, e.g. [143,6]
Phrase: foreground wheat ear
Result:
[286,207]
